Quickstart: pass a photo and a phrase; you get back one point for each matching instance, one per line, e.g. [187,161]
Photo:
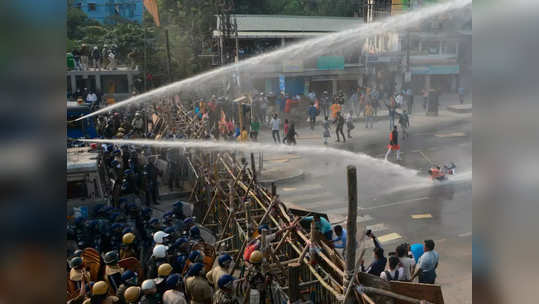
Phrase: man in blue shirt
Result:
[322,225]
[379,263]
[340,240]
[427,264]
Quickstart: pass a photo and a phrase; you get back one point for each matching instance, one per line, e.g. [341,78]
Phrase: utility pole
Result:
[237,41]
[221,44]
[168,56]
[407,69]
[351,225]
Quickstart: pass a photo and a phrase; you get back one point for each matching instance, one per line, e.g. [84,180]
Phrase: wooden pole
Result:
[260,161]
[293,282]
[351,225]
[264,247]
[253,166]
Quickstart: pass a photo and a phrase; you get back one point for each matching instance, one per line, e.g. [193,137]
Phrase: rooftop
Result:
[285,23]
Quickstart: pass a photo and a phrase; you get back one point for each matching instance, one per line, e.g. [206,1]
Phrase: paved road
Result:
[400,209]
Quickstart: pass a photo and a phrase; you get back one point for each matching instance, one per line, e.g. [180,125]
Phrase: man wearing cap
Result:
[129,278]
[129,248]
[100,294]
[159,256]
[149,291]
[196,286]
[221,269]
[174,294]
[113,272]
[163,272]
[225,294]
[77,275]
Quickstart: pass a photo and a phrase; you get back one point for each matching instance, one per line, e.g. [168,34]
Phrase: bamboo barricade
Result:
[231,201]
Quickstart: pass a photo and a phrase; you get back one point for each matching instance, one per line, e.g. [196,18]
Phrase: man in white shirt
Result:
[407,263]
[275,126]
[174,295]
[395,271]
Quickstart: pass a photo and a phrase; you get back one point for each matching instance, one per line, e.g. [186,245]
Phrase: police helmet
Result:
[132,294]
[225,281]
[173,280]
[164,270]
[100,288]
[128,238]
[179,242]
[194,231]
[194,256]
[148,285]
[130,277]
[170,230]
[180,261]
[160,251]
[75,262]
[159,236]
[110,258]
[188,220]
[256,257]
[224,259]
[195,269]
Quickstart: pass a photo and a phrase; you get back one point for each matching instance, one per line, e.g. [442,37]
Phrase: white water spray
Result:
[306,49]
[346,156]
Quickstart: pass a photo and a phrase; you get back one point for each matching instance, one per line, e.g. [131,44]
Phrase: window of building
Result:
[111,84]
[92,7]
[88,83]
[132,7]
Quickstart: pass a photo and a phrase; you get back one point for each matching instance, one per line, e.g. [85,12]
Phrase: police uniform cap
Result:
[225,280]
[195,269]
[223,259]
